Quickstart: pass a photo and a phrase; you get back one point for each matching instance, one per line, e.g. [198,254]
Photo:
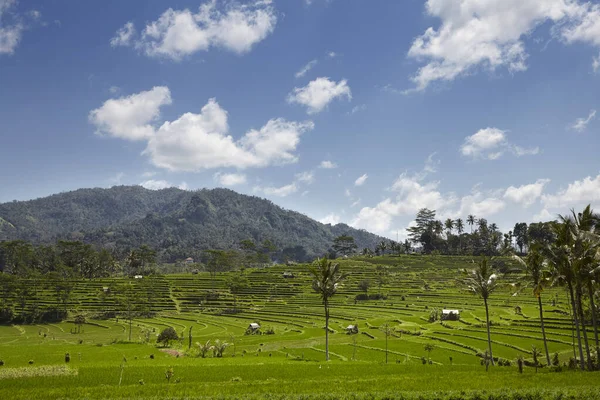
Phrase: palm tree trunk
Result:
[543,330]
[576,321]
[487,319]
[594,320]
[582,319]
[326,330]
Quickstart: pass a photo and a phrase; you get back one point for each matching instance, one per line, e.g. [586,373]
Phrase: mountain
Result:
[176,222]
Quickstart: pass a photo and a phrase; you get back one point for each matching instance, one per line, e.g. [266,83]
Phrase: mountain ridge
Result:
[176,222]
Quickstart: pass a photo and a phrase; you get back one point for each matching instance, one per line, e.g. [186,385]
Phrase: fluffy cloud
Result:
[319,93]
[526,195]
[488,34]
[194,142]
[491,144]
[361,180]
[332,219]
[282,191]
[160,184]
[479,204]
[586,190]
[10,28]
[307,177]
[543,216]
[230,179]
[124,35]
[306,68]
[179,33]
[581,124]
[131,117]
[596,63]
[327,165]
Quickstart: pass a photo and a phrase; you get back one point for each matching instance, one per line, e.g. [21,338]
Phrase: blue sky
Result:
[348,111]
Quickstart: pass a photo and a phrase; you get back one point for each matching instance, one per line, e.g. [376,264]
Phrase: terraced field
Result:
[291,361]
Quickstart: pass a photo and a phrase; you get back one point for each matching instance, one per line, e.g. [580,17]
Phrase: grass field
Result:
[290,363]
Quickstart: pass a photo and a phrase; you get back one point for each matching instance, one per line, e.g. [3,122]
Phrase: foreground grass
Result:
[296,379]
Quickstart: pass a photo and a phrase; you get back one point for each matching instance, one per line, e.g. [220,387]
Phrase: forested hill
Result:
[175,222]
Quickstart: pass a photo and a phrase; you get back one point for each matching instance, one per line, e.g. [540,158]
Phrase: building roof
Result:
[254,325]
[450,312]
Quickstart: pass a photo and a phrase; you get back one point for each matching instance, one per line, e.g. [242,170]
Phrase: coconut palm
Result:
[482,281]
[383,247]
[449,224]
[559,258]
[326,279]
[460,229]
[537,277]
[471,221]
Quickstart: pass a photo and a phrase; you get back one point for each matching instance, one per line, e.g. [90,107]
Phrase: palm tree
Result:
[382,246]
[449,224]
[459,228]
[471,221]
[558,257]
[536,276]
[482,281]
[326,280]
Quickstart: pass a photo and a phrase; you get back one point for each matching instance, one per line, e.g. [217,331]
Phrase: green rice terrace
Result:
[400,347]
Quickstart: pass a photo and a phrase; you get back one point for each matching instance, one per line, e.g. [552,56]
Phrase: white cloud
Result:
[361,180]
[319,93]
[179,33]
[354,204]
[307,177]
[194,142]
[332,54]
[282,191]
[356,109]
[332,219]
[230,179]
[581,124]
[161,184]
[305,69]
[11,28]
[347,193]
[596,63]
[327,165]
[480,205]
[489,34]
[201,141]
[586,190]
[124,35]
[491,144]
[526,195]
[131,117]
[544,216]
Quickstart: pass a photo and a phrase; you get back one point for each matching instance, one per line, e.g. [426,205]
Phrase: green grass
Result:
[290,363]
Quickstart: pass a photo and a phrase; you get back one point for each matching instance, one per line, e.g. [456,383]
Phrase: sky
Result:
[353,111]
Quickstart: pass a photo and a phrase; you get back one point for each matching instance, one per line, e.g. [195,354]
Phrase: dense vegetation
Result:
[177,223]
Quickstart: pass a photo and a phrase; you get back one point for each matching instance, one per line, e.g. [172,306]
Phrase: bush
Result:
[67,357]
[1,363]
[166,336]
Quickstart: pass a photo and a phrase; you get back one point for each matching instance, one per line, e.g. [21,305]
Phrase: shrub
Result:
[30,362]
[1,363]
[166,336]
[152,356]
[67,357]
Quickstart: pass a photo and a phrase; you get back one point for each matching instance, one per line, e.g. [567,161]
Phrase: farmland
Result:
[104,363]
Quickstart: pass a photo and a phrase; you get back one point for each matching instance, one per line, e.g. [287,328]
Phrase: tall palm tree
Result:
[460,229]
[558,257]
[383,247]
[537,277]
[482,281]
[471,221]
[327,277]
[449,224]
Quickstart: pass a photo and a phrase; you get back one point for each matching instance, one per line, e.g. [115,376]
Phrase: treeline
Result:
[450,237]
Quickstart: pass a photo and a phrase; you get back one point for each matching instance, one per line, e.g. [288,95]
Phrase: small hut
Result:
[450,315]
[352,329]
[189,260]
[253,328]
[288,275]
[137,277]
